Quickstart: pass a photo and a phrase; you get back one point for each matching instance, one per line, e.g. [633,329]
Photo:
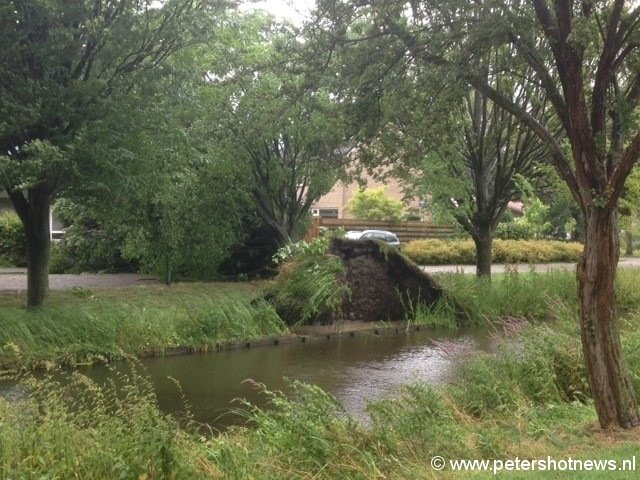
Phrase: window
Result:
[328,212]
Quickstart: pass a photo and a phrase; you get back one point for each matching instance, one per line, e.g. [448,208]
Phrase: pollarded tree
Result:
[470,167]
[64,65]
[583,54]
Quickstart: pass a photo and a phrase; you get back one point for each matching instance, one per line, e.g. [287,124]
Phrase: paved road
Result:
[12,279]
[15,279]
[523,267]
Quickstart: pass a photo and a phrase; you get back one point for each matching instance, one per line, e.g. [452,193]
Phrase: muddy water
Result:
[356,369]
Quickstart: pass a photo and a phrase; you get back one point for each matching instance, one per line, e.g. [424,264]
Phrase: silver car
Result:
[381,235]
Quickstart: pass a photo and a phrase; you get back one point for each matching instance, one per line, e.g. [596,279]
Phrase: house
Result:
[334,203]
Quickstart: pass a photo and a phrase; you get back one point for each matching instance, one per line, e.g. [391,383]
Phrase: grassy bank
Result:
[528,399]
[90,326]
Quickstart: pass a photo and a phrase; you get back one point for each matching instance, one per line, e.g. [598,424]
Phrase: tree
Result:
[284,133]
[65,65]
[375,204]
[445,141]
[583,55]
[178,206]
[470,168]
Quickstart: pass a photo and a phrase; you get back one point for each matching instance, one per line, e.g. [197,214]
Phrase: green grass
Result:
[85,326]
[527,399]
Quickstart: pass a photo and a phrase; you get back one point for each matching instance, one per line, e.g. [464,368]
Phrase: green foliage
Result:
[528,395]
[514,230]
[306,434]
[535,222]
[309,289]
[12,240]
[88,245]
[66,426]
[375,204]
[462,252]
[283,132]
[81,80]
[90,328]
[315,248]
[531,296]
[549,370]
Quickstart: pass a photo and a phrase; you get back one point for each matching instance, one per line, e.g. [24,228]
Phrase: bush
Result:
[12,240]
[87,247]
[514,231]
[318,246]
[375,204]
[459,252]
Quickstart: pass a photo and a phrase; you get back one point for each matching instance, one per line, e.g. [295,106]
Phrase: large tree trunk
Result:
[609,379]
[34,214]
[484,247]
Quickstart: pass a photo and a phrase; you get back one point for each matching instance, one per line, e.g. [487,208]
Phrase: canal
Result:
[355,368]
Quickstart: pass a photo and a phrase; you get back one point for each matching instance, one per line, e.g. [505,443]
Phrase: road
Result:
[15,279]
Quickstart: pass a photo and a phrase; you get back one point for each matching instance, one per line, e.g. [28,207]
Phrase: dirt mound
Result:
[384,284]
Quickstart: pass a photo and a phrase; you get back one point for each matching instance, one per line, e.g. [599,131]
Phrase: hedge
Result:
[460,252]
[12,240]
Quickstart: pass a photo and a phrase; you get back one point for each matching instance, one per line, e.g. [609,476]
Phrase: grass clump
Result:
[305,435]
[309,289]
[461,252]
[531,296]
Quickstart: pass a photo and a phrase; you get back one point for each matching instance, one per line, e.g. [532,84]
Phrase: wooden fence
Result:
[406,231]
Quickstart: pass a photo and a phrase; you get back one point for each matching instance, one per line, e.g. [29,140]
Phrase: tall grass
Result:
[92,328]
[309,289]
[527,399]
[66,426]
[529,296]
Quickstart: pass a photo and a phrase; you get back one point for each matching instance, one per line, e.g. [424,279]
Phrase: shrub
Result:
[514,231]
[318,246]
[87,248]
[375,204]
[12,240]
[459,252]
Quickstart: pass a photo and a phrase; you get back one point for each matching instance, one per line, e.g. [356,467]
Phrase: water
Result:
[354,369]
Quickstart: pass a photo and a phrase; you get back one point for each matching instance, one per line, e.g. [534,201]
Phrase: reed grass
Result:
[81,327]
[527,399]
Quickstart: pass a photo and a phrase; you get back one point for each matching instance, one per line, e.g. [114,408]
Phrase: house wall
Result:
[341,193]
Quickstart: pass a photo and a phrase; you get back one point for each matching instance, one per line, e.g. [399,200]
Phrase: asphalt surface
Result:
[15,279]
[631,262]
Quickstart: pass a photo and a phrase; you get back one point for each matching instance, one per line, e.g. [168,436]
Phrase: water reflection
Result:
[354,369]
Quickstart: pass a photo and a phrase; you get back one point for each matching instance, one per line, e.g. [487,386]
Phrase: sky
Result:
[292,10]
